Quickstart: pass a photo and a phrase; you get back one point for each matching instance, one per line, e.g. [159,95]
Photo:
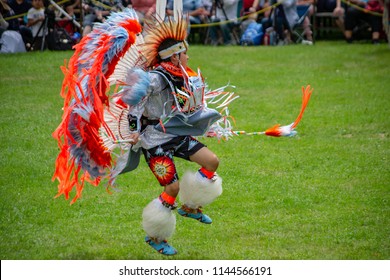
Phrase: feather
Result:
[286,130]
[306,93]
[289,130]
[134,87]
[83,157]
[132,59]
[160,9]
[177,9]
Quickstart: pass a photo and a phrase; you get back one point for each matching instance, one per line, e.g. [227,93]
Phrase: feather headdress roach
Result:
[161,31]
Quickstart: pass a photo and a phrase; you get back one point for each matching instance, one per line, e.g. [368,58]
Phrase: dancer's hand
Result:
[135,137]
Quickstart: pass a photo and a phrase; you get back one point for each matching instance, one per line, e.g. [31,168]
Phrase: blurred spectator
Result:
[36,23]
[10,40]
[19,23]
[250,6]
[208,4]
[145,9]
[284,18]
[292,16]
[126,3]
[354,15]
[225,10]
[287,18]
[386,19]
[97,12]
[5,12]
[339,12]
[335,7]
[20,8]
[301,6]
[71,6]
[326,5]
[196,9]
[249,9]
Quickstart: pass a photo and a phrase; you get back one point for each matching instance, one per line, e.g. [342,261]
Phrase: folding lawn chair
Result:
[297,30]
[280,22]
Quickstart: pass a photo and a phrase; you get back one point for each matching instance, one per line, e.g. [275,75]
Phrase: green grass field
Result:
[324,194]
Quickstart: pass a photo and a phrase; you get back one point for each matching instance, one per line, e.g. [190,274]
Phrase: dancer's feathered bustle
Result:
[82,155]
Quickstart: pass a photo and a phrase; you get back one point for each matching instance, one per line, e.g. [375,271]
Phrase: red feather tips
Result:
[289,130]
[274,131]
[132,26]
[82,157]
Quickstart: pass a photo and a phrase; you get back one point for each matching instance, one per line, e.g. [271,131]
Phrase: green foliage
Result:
[323,194]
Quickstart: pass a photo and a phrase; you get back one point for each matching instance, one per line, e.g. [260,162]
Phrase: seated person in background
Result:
[126,4]
[250,6]
[291,16]
[324,6]
[249,9]
[71,6]
[284,18]
[339,12]
[97,12]
[11,40]
[208,4]
[386,19]
[36,18]
[225,10]
[145,9]
[20,7]
[196,10]
[5,12]
[301,6]
[354,15]
[335,7]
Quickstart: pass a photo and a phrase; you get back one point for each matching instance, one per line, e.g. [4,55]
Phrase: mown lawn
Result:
[323,194]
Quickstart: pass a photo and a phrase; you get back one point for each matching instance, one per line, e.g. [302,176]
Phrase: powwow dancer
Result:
[159,108]
[172,84]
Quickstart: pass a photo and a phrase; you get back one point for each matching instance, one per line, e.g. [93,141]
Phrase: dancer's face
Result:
[181,58]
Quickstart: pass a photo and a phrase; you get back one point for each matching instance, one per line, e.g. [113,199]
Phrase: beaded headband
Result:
[175,49]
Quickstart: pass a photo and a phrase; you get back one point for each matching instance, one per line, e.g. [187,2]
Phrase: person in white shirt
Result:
[226,12]
[36,18]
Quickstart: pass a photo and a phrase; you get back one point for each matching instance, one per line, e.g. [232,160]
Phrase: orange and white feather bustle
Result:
[82,156]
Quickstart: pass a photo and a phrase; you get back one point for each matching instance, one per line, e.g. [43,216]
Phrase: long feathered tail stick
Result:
[286,130]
